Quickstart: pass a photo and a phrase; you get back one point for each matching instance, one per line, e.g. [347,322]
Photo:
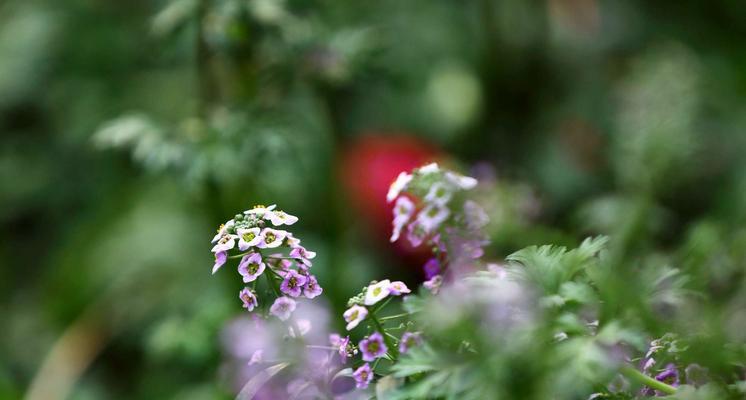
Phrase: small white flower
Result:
[248,238]
[399,184]
[439,194]
[354,315]
[403,211]
[222,230]
[429,169]
[260,211]
[225,243]
[377,292]
[272,238]
[463,182]
[280,218]
[432,216]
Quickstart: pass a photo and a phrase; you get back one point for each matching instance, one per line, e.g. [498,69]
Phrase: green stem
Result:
[382,305]
[386,339]
[638,376]
[390,317]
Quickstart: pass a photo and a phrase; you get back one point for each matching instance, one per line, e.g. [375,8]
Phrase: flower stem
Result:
[638,376]
[393,317]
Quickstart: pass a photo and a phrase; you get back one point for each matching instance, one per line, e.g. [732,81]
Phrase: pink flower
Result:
[248,238]
[282,308]
[272,238]
[301,254]
[312,288]
[220,259]
[280,218]
[434,284]
[251,266]
[398,288]
[222,230]
[293,283]
[248,298]
[416,234]
[225,243]
[373,347]
[363,376]
[409,340]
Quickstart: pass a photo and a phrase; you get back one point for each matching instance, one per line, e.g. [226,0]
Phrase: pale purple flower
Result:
[342,344]
[428,169]
[416,234]
[222,230]
[377,292]
[300,253]
[220,258]
[291,240]
[272,238]
[373,347]
[399,184]
[248,238]
[257,357]
[409,340]
[432,216]
[248,298]
[670,376]
[282,308]
[433,284]
[398,288]
[354,315]
[403,210]
[293,283]
[251,266]
[439,194]
[463,182]
[432,268]
[280,218]
[363,376]
[225,243]
[312,288]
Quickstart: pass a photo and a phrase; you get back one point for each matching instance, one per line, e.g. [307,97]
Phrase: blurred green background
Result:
[131,129]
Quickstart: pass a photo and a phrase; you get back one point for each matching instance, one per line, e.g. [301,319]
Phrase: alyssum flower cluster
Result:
[254,237]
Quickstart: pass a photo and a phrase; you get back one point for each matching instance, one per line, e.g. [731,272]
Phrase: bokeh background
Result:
[131,129]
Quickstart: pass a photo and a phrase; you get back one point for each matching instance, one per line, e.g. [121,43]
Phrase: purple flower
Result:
[293,283]
[354,315]
[249,299]
[670,376]
[398,288]
[225,243]
[222,230]
[220,258]
[433,285]
[257,357]
[409,340]
[282,308]
[416,234]
[373,347]
[248,238]
[312,288]
[342,344]
[363,376]
[300,253]
[251,266]
[432,268]
[272,238]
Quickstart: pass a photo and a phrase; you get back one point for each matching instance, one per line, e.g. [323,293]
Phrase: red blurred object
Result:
[368,167]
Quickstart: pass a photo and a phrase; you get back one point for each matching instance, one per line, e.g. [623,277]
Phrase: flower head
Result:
[293,283]
[399,184]
[373,347]
[220,258]
[312,288]
[248,238]
[272,238]
[409,340]
[398,288]
[282,308]
[363,376]
[377,292]
[251,266]
[354,315]
[248,298]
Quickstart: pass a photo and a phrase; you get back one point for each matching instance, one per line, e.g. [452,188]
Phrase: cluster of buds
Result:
[253,237]
[431,208]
